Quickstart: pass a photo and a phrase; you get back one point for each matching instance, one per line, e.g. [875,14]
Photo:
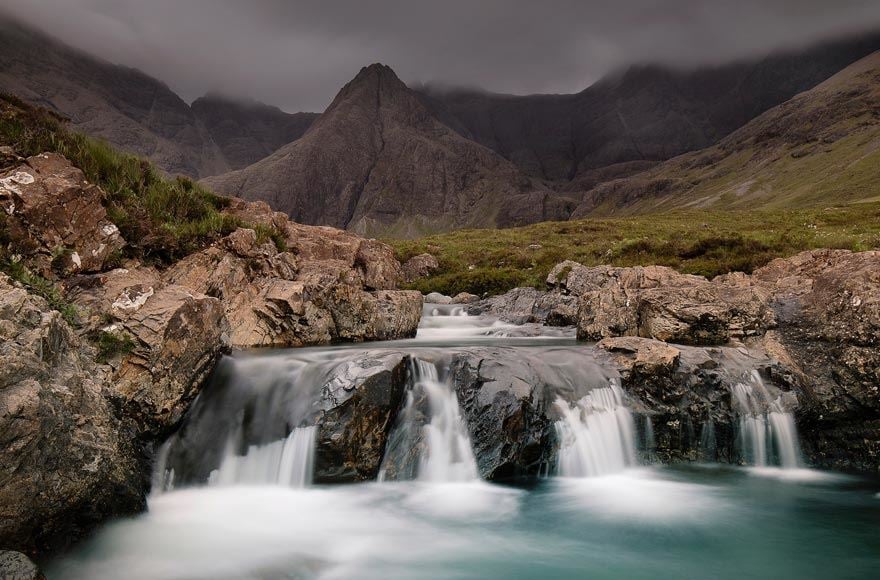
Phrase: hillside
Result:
[138,113]
[247,131]
[378,160]
[820,147]
[645,113]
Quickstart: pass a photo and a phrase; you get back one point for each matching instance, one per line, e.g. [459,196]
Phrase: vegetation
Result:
[112,345]
[161,218]
[697,241]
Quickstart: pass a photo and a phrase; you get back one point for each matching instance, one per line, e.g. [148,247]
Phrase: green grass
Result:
[111,345]
[162,219]
[697,242]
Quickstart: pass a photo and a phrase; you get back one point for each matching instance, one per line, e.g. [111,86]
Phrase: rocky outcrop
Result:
[56,218]
[82,409]
[658,302]
[17,566]
[828,306]
[67,461]
[525,305]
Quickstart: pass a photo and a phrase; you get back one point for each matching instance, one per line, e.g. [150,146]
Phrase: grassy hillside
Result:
[821,147]
[693,241]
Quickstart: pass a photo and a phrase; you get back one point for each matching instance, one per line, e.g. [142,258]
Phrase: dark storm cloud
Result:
[297,54]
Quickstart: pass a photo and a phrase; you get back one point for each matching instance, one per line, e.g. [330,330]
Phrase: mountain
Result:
[647,113]
[378,160]
[138,113]
[820,147]
[247,131]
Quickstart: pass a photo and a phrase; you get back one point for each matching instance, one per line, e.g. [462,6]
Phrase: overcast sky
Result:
[297,53]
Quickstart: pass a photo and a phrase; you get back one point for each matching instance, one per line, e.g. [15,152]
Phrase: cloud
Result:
[297,54]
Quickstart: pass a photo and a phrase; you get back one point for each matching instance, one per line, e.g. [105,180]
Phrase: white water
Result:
[286,462]
[596,434]
[449,456]
[767,434]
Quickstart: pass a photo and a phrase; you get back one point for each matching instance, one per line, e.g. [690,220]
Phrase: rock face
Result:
[524,305]
[829,329]
[68,461]
[378,160]
[17,566]
[56,217]
[246,131]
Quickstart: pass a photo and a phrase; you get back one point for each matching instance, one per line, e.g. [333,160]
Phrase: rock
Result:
[378,265]
[658,302]
[437,298]
[651,357]
[827,302]
[420,266]
[56,217]
[358,406]
[17,566]
[66,461]
[179,336]
[465,298]
[525,305]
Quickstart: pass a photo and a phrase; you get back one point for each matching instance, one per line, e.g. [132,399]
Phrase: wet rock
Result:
[17,566]
[420,266]
[527,305]
[56,218]
[358,405]
[66,461]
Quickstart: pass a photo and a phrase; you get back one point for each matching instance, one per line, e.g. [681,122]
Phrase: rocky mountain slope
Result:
[247,131]
[378,160]
[138,113]
[820,147]
[646,113]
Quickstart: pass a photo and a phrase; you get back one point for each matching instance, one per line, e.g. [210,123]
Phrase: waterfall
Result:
[596,434]
[650,443]
[448,455]
[767,434]
[708,442]
[286,462]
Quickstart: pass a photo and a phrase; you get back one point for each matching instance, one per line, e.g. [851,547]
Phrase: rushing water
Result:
[233,497]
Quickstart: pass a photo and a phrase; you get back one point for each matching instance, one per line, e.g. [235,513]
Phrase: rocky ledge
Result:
[815,316]
[86,393]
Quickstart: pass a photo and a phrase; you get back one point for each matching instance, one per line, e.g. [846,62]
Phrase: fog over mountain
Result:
[297,54]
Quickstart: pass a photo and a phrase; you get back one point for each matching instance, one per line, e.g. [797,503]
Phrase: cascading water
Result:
[285,462]
[596,434]
[767,434]
[448,455]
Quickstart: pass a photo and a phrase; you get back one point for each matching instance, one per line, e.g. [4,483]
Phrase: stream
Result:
[234,498]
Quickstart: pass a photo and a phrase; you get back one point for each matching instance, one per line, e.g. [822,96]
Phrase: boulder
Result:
[56,218]
[437,298]
[525,305]
[178,336]
[465,298]
[420,266]
[17,566]
[358,404]
[66,461]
